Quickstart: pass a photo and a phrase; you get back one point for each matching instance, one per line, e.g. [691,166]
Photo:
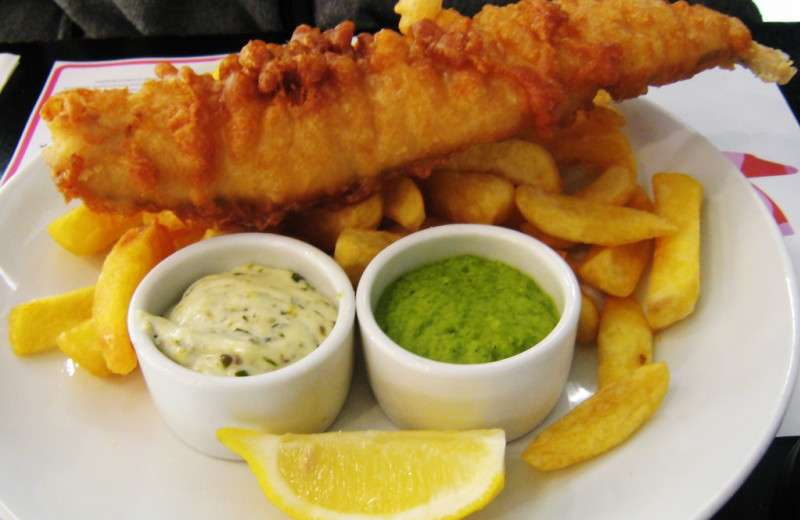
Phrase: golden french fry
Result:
[614,186]
[165,218]
[403,203]
[33,326]
[601,422]
[412,11]
[131,258]
[595,141]
[478,198]
[554,242]
[616,270]
[183,233]
[433,221]
[519,161]
[80,344]
[322,226]
[674,284]
[579,220]
[216,232]
[188,236]
[604,99]
[84,232]
[355,248]
[624,340]
[588,320]
[640,200]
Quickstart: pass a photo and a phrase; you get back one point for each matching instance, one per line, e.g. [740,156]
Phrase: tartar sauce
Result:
[251,320]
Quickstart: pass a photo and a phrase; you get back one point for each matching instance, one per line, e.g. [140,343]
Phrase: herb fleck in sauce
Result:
[248,321]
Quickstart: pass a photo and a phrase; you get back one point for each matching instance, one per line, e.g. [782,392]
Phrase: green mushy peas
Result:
[466,309]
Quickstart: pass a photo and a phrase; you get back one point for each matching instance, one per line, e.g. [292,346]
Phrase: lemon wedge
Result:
[397,475]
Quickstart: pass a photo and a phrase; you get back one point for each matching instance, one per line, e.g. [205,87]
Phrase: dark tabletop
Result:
[772,491]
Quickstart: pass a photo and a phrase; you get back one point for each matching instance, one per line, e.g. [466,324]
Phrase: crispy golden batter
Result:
[322,120]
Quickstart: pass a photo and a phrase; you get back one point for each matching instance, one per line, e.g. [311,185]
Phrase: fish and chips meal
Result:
[351,142]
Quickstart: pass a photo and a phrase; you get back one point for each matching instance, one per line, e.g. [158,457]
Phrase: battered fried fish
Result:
[323,118]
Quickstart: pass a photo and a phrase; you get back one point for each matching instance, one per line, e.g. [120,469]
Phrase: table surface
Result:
[755,499]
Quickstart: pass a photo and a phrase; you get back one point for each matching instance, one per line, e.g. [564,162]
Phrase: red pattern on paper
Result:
[752,167]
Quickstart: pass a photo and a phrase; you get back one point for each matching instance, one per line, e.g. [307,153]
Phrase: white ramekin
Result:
[515,393]
[303,397]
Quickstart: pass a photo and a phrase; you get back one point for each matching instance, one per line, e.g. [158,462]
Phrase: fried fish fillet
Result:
[325,117]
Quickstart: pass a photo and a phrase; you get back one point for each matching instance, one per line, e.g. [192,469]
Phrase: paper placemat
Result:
[8,62]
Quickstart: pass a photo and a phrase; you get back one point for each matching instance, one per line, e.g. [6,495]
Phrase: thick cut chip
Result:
[588,320]
[614,186]
[391,475]
[579,220]
[595,140]
[616,270]
[412,11]
[519,161]
[476,198]
[131,258]
[593,148]
[355,248]
[601,422]
[640,200]
[84,232]
[674,284]
[624,340]
[187,236]
[33,326]
[166,218]
[554,242]
[403,203]
[214,232]
[80,344]
[183,233]
[322,226]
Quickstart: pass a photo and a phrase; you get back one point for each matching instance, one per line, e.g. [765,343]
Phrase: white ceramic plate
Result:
[75,446]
